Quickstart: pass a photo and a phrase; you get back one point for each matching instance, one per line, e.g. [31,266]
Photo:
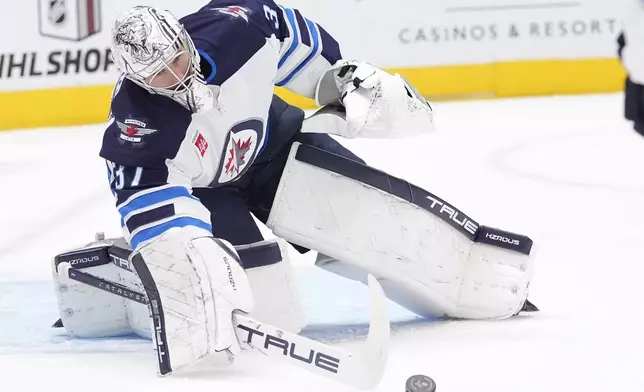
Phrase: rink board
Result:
[90,104]
[59,71]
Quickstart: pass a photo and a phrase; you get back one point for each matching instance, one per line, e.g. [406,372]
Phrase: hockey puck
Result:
[420,383]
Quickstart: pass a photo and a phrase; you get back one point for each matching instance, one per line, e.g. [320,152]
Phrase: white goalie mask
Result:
[150,45]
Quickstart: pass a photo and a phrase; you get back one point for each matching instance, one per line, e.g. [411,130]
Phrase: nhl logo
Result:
[73,20]
[57,12]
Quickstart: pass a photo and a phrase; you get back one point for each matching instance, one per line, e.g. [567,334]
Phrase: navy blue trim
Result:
[504,239]
[306,39]
[414,195]
[84,258]
[259,256]
[250,256]
[210,61]
[150,216]
[331,51]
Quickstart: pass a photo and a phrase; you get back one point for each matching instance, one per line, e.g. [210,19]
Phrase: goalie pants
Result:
[233,206]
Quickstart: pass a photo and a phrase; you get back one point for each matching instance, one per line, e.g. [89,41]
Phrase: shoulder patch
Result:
[143,129]
[134,131]
[234,11]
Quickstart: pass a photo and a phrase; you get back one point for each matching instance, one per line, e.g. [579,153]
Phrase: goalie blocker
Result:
[429,257]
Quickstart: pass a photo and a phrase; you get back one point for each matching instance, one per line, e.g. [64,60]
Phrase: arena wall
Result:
[56,70]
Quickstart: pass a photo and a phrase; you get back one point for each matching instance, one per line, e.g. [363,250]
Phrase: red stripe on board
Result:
[90,17]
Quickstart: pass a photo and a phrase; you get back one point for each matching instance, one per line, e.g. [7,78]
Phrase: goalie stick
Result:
[363,369]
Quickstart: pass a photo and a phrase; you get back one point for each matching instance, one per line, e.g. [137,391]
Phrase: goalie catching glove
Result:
[365,101]
[193,283]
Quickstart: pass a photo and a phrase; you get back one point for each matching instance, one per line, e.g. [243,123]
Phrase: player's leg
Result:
[229,214]
[430,257]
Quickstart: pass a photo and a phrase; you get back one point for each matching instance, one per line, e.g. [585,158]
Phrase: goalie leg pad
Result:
[193,285]
[429,256]
[277,301]
[88,312]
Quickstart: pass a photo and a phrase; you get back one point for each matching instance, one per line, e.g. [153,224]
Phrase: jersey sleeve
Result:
[307,51]
[151,166]
[229,35]
[154,205]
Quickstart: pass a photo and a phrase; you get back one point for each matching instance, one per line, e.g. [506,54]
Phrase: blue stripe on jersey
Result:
[306,39]
[266,136]
[314,52]
[150,216]
[152,232]
[154,198]
[210,61]
[290,16]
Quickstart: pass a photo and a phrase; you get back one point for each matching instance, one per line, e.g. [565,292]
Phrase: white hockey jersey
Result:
[157,151]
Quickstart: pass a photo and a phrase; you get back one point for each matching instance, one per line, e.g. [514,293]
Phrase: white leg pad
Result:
[429,257]
[88,312]
[277,301]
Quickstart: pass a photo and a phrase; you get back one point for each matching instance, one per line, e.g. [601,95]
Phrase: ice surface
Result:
[567,171]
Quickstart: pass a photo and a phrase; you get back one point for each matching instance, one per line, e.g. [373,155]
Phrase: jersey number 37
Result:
[121,177]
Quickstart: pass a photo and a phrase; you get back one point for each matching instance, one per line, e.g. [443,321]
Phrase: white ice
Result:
[567,171]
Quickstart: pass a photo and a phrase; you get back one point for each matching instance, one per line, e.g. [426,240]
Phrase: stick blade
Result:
[362,369]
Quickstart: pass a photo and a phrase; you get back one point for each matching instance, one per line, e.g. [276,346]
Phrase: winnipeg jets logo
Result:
[134,130]
[234,11]
[240,150]
[243,144]
[237,155]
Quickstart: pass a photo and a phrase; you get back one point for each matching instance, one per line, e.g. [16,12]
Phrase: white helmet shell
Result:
[145,40]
